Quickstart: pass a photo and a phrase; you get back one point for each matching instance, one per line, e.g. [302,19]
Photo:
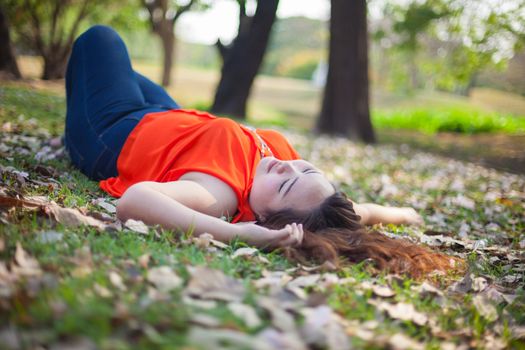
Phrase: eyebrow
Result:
[309,171]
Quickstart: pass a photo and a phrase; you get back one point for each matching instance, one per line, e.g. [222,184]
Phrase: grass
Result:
[457,120]
[71,303]
[18,103]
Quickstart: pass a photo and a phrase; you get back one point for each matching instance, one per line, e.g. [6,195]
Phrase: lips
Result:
[271,165]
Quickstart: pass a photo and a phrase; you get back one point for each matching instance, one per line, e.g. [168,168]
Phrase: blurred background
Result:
[445,76]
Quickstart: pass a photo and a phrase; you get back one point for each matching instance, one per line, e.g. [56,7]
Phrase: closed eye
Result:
[282,185]
[305,171]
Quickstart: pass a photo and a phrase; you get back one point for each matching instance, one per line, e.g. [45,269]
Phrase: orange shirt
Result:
[166,145]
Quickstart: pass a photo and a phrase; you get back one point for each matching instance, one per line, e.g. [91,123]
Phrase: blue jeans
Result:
[106,99]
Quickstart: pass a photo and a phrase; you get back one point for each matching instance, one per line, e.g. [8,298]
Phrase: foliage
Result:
[453,41]
[300,65]
[293,55]
[48,28]
[448,119]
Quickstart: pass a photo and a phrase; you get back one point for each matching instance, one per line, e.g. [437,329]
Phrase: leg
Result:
[101,92]
[155,94]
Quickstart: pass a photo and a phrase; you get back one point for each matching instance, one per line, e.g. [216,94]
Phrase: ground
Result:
[71,275]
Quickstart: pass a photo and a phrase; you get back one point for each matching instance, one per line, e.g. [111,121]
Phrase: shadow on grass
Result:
[499,151]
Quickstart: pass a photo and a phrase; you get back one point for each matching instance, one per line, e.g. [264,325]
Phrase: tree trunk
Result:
[243,60]
[54,66]
[8,65]
[345,109]
[413,71]
[168,44]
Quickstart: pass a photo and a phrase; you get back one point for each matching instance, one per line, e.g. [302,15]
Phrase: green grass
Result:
[19,103]
[448,119]
[67,304]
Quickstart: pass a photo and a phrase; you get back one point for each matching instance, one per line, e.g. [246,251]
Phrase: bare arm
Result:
[173,205]
[374,214]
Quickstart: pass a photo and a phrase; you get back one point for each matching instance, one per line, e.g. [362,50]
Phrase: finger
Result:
[301,234]
[293,239]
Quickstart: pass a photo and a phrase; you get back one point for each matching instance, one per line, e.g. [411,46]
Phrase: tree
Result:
[452,40]
[163,14]
[49,27]
[8,65]
[414,21]
[243,58]
[345,108]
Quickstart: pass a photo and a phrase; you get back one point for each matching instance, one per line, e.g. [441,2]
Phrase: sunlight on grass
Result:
[458,120]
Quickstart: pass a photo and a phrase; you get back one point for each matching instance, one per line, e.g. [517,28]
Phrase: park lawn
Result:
[111,286]
[463,120]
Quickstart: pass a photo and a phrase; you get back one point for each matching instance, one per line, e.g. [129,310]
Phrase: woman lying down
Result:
[185,169]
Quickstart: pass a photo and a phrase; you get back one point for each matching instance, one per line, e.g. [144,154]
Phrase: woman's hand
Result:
[262,237]
[411,217]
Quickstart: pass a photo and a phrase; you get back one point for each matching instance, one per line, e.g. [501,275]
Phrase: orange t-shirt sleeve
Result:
[279,145]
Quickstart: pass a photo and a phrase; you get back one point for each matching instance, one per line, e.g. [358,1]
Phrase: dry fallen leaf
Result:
[206,283]
[83,261]
[203,241]
[281,340]
[461,287]
[72,217]
[244,252]
[381,291]
[102,291]
[217,338]
[401,311]
[401,342]
[204,320]
[8,201]
[136,226]
[144,260]
[272,279]
[304,281]
[246,313]
[485,307]
[26,265]
[116,281]
[322,329]
[202,304]
[281,319]
[164,278]
[50,237]
[101,202]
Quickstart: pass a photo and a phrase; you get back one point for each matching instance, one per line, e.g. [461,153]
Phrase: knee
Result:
[98,34]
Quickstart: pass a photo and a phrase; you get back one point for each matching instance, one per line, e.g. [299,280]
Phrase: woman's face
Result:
[294,184]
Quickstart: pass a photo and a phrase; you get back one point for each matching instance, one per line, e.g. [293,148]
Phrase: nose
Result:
[285,167]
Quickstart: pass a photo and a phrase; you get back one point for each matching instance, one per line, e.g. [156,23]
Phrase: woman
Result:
[188,170]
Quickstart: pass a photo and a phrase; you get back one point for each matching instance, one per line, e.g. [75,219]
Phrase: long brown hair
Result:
[332,232]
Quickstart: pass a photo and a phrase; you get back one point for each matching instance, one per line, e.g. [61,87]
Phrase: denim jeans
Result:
[106,99]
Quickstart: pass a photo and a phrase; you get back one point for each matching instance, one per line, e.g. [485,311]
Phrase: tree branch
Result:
[54,20]
[183,9]
[81,15]
[35,26]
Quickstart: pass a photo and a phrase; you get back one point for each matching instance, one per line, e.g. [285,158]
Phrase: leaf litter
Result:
[470,212]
